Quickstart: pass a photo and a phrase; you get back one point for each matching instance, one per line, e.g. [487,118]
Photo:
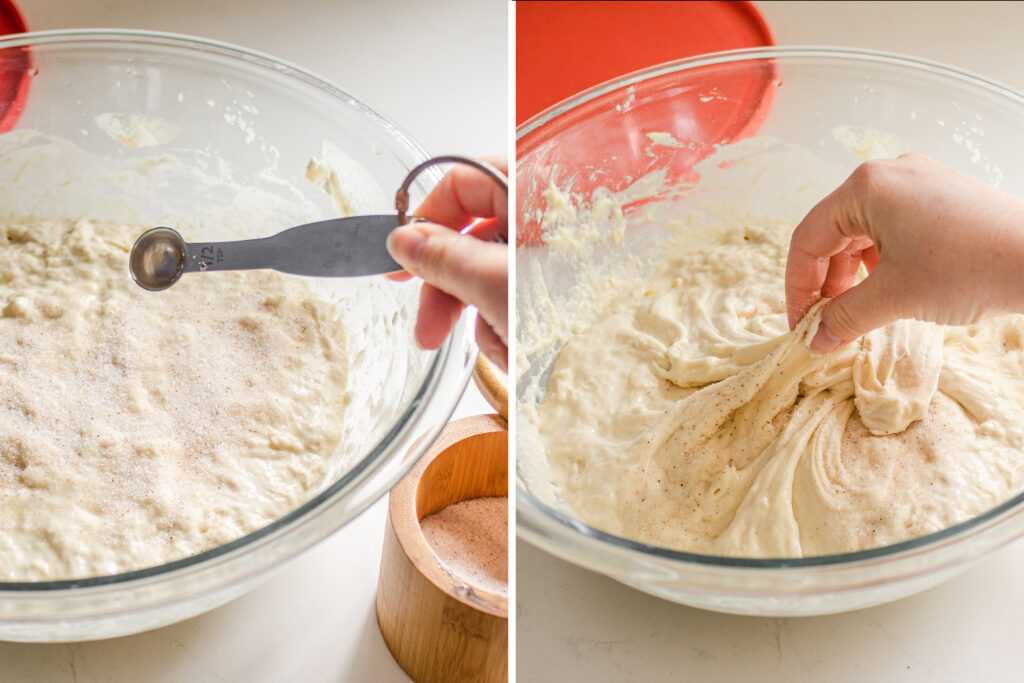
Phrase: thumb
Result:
[856,312]
[470,269]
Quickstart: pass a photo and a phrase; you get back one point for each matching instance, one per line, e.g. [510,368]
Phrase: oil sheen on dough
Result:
[689,417]
[140,427]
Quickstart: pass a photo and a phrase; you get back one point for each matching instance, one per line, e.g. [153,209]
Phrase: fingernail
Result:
[824,341]
[404,245]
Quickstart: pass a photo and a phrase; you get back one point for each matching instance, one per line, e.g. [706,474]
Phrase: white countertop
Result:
[418,64]
[574,625]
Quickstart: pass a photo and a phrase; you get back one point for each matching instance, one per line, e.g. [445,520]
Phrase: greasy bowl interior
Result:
[247,126]
[758,134]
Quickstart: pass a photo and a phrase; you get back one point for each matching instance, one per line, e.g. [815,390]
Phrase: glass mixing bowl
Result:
[810,109]
[215,140]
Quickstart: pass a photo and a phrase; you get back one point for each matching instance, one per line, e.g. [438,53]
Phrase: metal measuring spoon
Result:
[340,247]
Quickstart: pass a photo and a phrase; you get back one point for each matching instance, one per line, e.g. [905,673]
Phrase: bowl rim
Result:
[768,52]
[372,463]
[198,45]
[553,530]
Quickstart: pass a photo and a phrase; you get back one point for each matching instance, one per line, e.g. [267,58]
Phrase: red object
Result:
[15,68]
[563,48]
[10,18]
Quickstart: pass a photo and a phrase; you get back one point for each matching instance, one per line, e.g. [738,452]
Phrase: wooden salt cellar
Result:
[438,628]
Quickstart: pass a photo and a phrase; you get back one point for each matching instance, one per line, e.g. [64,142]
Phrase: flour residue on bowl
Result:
[470,539]
[136,131]
[338,176]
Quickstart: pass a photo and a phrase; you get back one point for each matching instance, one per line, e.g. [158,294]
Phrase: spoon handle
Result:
[340,247]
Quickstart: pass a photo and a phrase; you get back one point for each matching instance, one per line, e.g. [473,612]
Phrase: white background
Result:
[574,625]
[439,70]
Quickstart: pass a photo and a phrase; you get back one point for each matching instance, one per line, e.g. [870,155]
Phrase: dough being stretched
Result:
[689,417]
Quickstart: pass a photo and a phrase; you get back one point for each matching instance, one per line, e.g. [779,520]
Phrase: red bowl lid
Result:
[563,48]
[15,65]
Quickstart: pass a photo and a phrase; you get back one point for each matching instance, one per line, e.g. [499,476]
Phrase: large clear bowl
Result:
[244,126]
[795,101]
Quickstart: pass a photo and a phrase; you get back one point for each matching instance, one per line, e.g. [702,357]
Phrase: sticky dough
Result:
[689,417]
[139,427]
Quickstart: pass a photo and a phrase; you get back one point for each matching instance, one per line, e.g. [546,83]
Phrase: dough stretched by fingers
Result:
[856,311]
[949,247]
[825,251]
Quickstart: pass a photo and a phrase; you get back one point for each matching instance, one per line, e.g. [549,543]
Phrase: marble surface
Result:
[415,63]
[574,625]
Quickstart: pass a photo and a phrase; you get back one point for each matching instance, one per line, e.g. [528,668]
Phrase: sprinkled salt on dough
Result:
[688,416]
[142,427]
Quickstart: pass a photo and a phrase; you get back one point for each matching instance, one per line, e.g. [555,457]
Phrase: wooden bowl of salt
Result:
[442,596]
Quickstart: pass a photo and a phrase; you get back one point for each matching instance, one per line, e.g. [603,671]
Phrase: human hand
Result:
[938,245]
[460,269]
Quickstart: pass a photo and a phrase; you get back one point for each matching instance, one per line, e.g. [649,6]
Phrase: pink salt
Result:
[470,538]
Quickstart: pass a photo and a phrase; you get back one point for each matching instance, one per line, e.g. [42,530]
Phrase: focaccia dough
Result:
[142,427]
[689,417]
